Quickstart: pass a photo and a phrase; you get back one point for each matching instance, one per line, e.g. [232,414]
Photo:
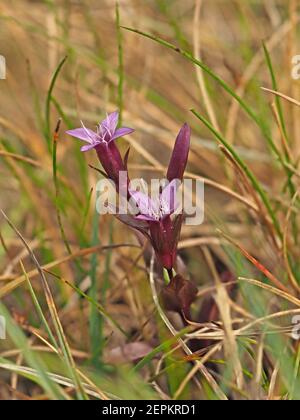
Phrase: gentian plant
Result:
[156,218]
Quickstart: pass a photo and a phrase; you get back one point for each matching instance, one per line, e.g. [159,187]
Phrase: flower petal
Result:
[120,132]
[144,203]
[84,134]
[180,154]
[110,122]
[145,218]
[131,221]
[168,198]
[87,147]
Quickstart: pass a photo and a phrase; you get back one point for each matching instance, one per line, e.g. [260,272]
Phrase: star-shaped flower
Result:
[105,133]
[103,141]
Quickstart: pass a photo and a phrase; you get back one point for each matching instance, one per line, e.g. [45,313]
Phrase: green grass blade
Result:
[255,183]
[64,346]
[56,186]
[39,309]
[48,102]
[277,98]
[289,173]
[96,321]
[20,341]
[259,122]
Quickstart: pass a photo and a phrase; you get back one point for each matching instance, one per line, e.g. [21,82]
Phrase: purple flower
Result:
[163,231]
[103,142]
[156,219]
[156,210]
[107,131]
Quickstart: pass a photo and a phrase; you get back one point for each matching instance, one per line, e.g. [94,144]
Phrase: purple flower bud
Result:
[180,154]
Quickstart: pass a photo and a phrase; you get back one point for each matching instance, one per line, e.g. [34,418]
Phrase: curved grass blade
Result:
[289,173]
[38,308]
[56,185]
[97,339]
[248,172]
[20,341]
[275,87]
[54,315]
[48,102]
[259,122]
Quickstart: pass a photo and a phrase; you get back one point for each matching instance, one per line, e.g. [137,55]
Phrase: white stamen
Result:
[108,125]
[87,132]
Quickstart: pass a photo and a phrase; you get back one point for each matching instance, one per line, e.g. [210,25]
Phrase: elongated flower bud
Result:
[180,154]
